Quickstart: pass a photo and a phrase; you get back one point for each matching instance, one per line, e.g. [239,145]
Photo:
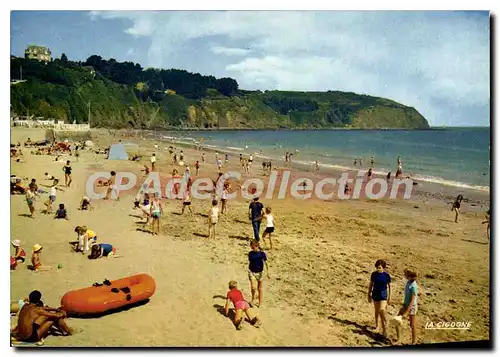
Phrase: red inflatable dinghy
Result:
[105,297]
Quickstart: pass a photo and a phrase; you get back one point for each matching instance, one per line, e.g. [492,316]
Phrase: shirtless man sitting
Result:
[35,320]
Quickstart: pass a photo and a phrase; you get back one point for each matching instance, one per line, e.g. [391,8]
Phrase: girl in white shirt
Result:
[213,218]
[269,226]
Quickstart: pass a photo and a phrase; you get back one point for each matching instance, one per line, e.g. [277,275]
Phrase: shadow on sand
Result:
[244,238]
[377,338]
[200,235]
[474,241]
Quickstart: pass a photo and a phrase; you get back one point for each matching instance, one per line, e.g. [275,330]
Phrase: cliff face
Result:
[62,92]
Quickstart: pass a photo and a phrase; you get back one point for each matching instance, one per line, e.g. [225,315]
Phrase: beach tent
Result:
[117,152]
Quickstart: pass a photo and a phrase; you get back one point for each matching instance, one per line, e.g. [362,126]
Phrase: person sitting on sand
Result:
[240,305]
[156,213]
[19,254]
[213,219]
[85,204]
[379,292]
[61,213]
[35,320]
[269,227]
[49,177]
[456,207]
[257,261]
[36,259]
[102,250]
[410,304]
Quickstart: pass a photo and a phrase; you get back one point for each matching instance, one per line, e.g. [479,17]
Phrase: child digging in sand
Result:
[379,292]
[103,250]
[36,259]
[410,304]
[257,260]
[240,305]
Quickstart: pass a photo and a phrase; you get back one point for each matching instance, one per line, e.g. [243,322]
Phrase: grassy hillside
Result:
[124,95]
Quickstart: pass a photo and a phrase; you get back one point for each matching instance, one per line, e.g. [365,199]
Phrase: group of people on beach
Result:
[36,320]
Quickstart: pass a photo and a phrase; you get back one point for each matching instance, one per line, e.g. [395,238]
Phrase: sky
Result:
[435,61]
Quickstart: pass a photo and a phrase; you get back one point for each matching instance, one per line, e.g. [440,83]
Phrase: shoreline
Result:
[425,190]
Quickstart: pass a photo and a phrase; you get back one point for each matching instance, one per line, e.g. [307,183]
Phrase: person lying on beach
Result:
[456,207]
[36,259]
[213,219]
[487,216]
[36,321]
[85,204]
[240,305]
[61,213]
[102,250]
[257,260]
[379,291]
[49,177]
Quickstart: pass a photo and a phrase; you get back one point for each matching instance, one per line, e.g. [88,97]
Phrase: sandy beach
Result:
[319,268]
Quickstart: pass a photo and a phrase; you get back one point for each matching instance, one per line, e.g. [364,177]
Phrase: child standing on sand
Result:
[197,167]
[257,260]
[30,200]
[52,196]
[456,207]
[156,212]
[410,304]
[187,202]
[213,218]
[36,259]
[269,227]
[379,292]
[240,305]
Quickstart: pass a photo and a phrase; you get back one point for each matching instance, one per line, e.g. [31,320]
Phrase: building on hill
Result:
[38,53]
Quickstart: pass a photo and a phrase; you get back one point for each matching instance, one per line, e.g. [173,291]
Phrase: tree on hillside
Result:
[226,86]
[64,59]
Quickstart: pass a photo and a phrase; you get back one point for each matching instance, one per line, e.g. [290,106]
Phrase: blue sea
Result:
[453,156]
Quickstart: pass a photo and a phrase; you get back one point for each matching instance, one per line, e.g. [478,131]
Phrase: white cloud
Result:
[229,51]
[422,59]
